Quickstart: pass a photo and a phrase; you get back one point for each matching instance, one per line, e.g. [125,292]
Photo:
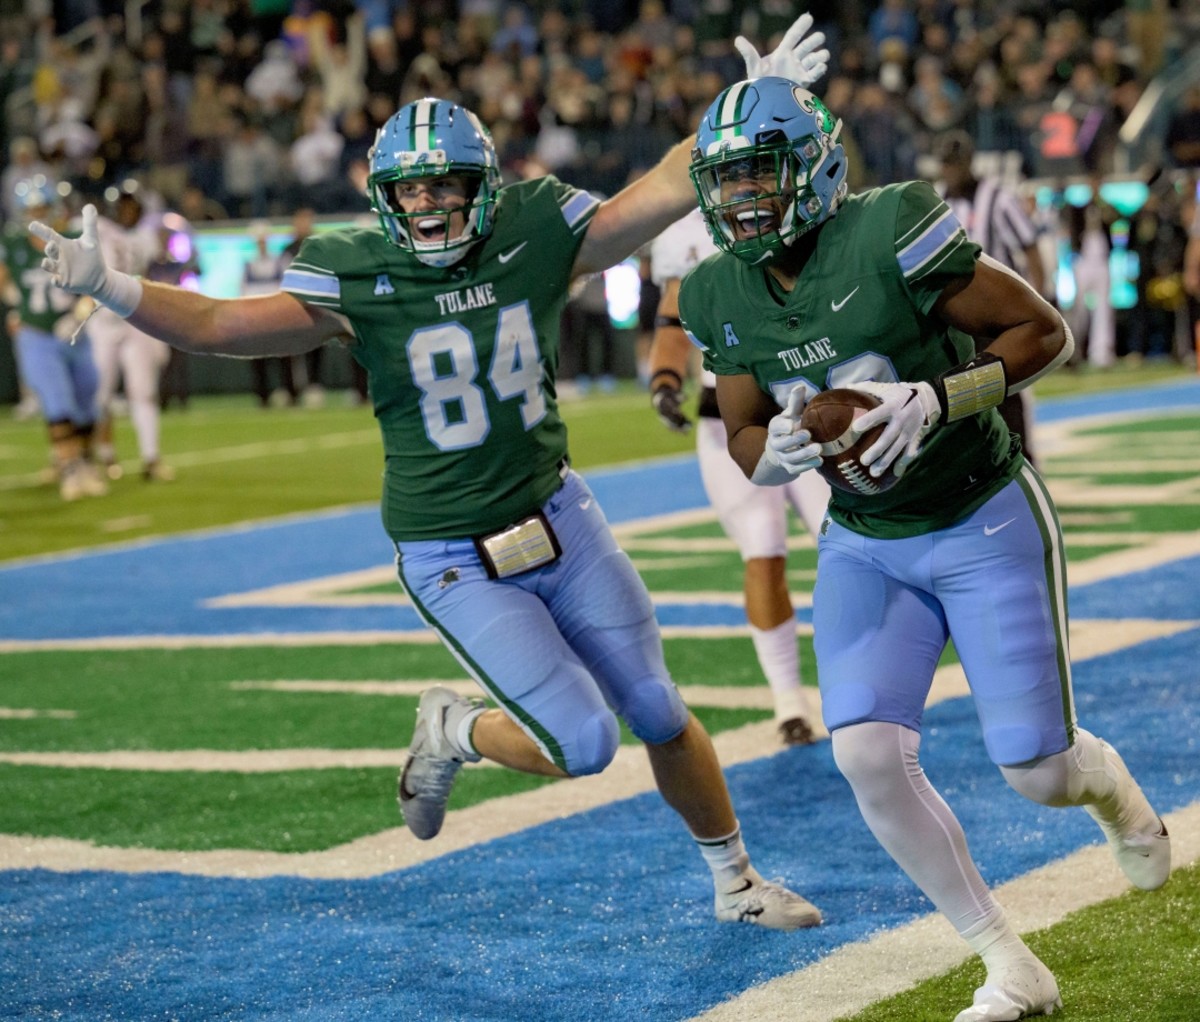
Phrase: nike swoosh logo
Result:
[585,503]
[989,530]
[837,306]
[506,256]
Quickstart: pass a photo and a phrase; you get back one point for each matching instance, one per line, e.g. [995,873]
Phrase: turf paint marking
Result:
[857,975]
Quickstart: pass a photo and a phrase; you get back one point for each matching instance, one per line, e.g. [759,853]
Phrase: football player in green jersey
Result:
[452,306]
[62,374]
[816,289]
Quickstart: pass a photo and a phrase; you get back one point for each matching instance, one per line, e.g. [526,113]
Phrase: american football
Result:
[828,417]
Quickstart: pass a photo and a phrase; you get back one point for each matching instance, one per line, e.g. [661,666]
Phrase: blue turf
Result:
[604,915]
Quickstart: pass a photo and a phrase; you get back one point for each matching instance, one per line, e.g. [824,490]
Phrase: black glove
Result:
[667,397]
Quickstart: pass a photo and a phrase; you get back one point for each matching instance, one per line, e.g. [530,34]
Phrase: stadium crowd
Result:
[232,109]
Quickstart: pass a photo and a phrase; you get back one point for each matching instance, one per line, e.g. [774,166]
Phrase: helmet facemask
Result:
[761,187]
[429,141]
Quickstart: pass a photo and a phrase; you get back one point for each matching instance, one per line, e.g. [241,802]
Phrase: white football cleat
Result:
[751,899]
[1018,990]
[1138,837]
[432,764]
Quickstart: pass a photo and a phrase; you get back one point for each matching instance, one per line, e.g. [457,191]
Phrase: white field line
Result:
[236,452]
[860,974]
[628,775]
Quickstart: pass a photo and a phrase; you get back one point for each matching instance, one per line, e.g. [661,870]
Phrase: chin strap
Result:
[973,387]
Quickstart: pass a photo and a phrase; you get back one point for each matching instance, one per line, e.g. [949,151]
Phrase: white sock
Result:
[459,731]
[779,656]
[996,942]
[726,856]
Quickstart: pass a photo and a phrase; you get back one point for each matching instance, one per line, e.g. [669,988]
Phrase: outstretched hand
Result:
[798,57]
[77,266]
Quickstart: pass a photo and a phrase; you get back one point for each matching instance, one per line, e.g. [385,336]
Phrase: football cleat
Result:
[796,731]
[1023,988]
[156,472]
[751,899]
[433,763]
[1138,837]
[72,484]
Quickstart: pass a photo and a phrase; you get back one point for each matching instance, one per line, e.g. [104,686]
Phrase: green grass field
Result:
[1136,957]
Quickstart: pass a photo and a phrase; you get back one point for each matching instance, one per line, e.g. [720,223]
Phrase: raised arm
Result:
[278,324]
[649,205]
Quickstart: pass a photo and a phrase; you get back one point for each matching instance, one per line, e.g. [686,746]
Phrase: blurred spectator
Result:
[1146,23]
[315,162]
[275,82]
[341,64]
[934,99]
[1183,133]
[988,120]
[589,337]
[274,378]
[1091,316]
[884,136]
[516,36]
[25,163]
[1158,237]
[306,369]
[249,167]
[893,20]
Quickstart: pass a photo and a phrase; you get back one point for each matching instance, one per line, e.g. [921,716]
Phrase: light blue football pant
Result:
[62,375]
[995,582]
[561,649]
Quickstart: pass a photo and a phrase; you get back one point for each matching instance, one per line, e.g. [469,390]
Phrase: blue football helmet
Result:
[434,138]
[768,166]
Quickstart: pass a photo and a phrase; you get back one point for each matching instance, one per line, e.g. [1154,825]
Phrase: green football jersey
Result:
[42,304]
[860,311]
[462,360]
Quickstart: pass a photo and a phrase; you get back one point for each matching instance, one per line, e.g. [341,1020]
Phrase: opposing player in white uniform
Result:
[754,517]
[122,351]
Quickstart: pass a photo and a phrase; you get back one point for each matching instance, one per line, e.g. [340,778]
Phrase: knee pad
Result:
[595,743]
[655,711]
[1014,744]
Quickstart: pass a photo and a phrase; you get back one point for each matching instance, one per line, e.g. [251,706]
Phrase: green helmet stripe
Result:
[421,126]
[731,111]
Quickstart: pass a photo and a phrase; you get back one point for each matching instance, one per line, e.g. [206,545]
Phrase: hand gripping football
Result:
[828,417]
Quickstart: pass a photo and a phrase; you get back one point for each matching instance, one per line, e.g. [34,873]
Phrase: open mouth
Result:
[755,221]
[430,228]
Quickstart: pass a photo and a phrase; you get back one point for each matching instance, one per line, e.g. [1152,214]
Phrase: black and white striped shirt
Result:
[996,220]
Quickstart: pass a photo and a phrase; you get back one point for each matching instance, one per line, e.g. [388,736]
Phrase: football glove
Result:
[797,57]
[788,444]
[910,411]
[77,265]
[668,403]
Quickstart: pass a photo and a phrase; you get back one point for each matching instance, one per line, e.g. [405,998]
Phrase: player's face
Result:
[752,186]
[443,198]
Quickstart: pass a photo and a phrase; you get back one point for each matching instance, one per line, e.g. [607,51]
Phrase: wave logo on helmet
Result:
[432,139]
[768,166]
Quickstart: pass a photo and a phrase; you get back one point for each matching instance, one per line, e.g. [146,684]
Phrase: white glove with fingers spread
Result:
[77,265]
[789,445]
[797,57]
[910,410]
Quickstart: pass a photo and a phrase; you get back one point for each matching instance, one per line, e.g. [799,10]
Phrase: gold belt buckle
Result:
[521,547]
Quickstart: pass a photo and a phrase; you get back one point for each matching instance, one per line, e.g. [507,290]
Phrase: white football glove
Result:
[910,410]
[789,445]
[797,57]
[77,265]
